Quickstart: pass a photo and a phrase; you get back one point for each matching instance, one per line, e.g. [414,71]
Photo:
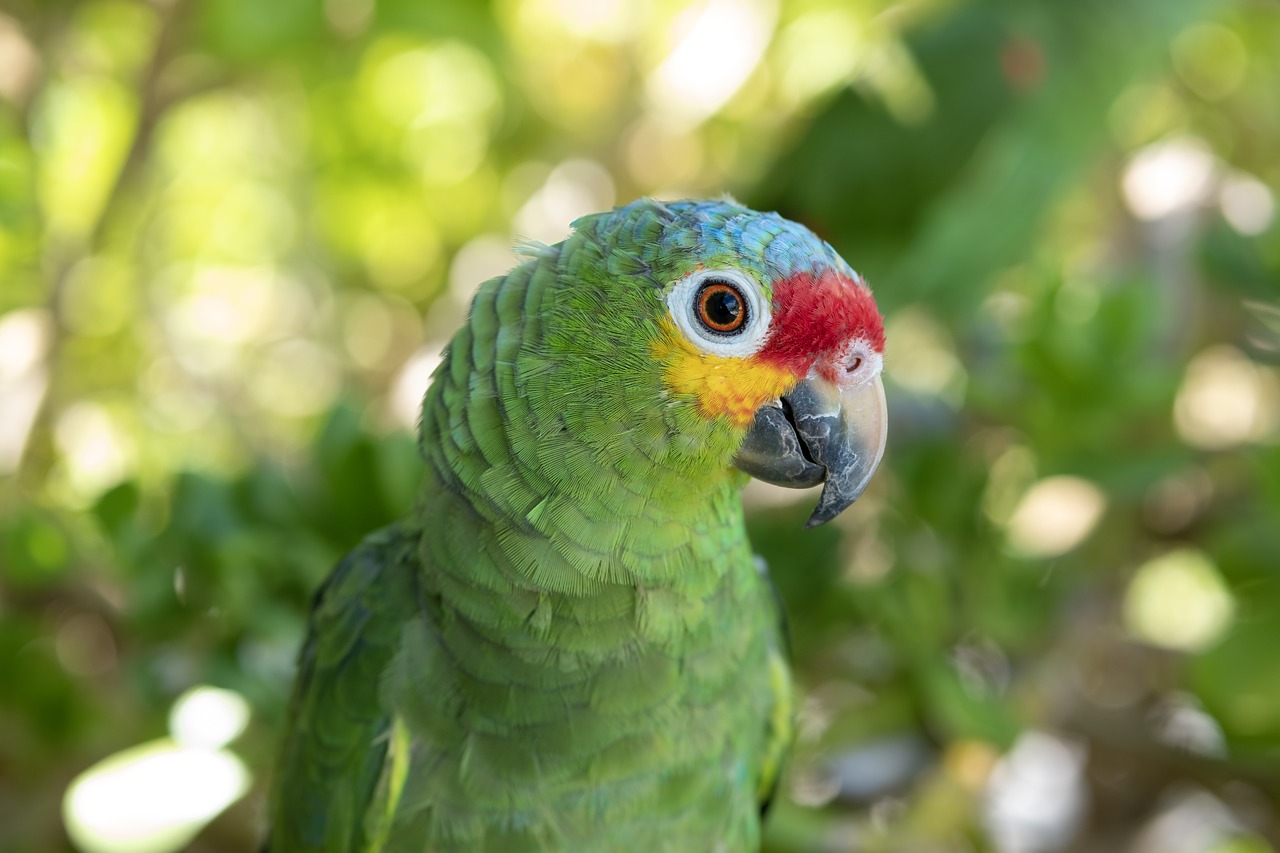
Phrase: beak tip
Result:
[835,437]
[832,502]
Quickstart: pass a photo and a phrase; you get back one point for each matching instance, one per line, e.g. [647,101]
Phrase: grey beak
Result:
[819,433]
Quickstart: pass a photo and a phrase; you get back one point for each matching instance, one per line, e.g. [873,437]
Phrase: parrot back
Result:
[334,749]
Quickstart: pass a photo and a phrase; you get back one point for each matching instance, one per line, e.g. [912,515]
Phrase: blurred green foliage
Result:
[234,234]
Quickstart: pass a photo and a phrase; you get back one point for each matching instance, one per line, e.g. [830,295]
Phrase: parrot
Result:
[568,644]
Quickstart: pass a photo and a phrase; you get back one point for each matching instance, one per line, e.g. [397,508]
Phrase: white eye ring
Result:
[743,342]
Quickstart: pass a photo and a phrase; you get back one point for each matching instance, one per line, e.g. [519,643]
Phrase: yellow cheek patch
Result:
[729,387]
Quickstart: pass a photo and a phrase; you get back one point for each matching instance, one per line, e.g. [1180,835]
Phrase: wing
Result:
[336,743]
[781,723]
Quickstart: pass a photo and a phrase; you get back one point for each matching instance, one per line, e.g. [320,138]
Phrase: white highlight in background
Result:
[157,796]
[412,383]
[25,336]
[722,42]
[1247,203]
[1036,795]
[1168,177]
[97,450]
[208,717]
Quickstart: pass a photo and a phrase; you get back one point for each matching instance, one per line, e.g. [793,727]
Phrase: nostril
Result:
[854,364]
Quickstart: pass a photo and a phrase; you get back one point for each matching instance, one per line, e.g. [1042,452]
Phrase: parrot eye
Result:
[723,312]
[721,308]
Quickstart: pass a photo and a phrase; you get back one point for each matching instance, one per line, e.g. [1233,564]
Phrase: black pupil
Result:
[723,307]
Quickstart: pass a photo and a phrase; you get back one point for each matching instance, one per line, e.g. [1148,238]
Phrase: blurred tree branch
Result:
[62,259]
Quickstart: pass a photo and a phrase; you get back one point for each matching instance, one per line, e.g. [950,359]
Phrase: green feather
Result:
[569,646]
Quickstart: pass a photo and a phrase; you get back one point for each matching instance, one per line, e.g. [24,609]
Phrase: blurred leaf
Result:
[1239,678]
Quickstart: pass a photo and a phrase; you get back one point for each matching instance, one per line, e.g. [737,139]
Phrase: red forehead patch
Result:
[816,314]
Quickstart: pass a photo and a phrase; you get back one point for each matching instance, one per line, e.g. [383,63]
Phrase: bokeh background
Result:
[235,234]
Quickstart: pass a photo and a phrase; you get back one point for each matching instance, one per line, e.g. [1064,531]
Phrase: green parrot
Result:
[569,645]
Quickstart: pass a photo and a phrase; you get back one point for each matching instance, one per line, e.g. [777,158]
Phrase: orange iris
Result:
[721,307]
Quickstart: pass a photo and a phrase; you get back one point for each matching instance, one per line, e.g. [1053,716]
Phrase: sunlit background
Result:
[235,234]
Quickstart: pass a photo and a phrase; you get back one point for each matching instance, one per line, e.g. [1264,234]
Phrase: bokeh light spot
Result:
[921,356]
[1011,475]
[719,44]
[174,402]
[96,450]
[574,188]
[399,243]
[82,131]
[251,223]
[609,21]
[25,336]
[412,382]
[479,260]
[1036,795]
[1248,204]
[1167,177]
[447,82]
[1178,601]
[19,61]
[1054,516]
[97,298]
[208,717]
[367,330]
[348,17]
[224,306]
[1077,301]
[296,378]
[446,154]
[152,798]
[1145,112]
[1226,400]
[658,155]
[819,51]
[1210,59]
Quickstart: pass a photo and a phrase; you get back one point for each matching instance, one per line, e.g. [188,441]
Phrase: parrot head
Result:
[764,344]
